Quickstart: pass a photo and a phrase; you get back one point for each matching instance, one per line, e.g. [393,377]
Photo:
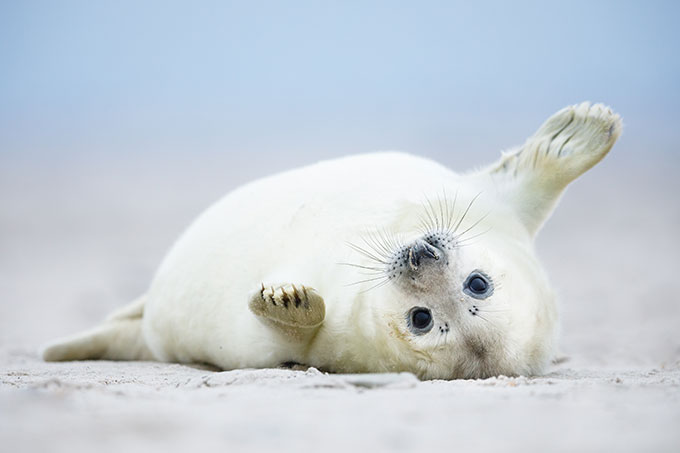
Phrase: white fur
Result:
[295,227]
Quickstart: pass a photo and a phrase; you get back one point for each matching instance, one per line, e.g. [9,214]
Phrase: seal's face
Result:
[456,307]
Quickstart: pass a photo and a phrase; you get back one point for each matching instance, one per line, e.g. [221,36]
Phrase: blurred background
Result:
[121,121]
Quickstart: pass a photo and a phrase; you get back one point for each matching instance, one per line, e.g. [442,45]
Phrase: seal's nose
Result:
[419,252]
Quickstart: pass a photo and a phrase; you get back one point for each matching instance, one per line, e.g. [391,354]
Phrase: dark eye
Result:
[478,285]
[420,320]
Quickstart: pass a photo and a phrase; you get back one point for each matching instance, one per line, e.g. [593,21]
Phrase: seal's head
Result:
[466,296]
[466,304]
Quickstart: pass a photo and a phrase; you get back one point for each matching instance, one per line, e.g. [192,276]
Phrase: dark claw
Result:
[296,296]
[285,299]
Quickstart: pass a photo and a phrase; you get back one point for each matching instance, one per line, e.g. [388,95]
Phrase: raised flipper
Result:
[532,177]
[296,310]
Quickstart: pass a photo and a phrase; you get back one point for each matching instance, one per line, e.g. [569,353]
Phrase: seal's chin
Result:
[469,361]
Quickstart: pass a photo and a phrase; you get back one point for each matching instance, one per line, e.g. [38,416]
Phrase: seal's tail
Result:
[118,338]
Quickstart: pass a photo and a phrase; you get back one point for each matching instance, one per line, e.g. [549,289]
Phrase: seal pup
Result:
[382,262]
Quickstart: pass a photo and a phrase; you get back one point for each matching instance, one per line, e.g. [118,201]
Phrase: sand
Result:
[81,238]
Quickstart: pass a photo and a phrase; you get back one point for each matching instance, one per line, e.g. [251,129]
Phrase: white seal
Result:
[382,262]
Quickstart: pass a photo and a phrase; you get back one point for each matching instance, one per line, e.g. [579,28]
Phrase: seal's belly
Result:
[293,227]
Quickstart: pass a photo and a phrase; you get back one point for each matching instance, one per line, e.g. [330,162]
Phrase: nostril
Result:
[423,249]
[413,258]
[419,251]
[429,251]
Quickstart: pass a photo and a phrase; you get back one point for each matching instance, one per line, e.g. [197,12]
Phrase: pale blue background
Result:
[317,79]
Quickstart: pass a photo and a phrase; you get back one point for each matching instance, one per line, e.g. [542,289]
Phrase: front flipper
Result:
[295,309]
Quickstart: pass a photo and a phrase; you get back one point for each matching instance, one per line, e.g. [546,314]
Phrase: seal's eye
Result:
[478,285]
[420,320]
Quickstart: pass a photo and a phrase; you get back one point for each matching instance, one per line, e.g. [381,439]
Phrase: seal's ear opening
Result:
[532,177]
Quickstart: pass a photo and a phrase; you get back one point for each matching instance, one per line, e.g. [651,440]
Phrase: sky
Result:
[309,80]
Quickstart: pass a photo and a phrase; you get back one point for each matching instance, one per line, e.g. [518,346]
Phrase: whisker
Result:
[441,210]
[476,235]
[383,242]
[474,224]
[429,210]
[397,240]
[473,237]
[440,339]
[453,211]
[376,286]
[482,317]
[424,226]
[388,240]
[439,215]
[361,267]
[371,273]
[445,337]
[466,211]
[366,253]
[373,248]
[367,280]
[446,216]
[371,241]
[466,245]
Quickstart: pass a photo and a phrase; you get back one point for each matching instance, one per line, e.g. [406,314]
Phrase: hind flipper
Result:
[119,338]
[296,310]
[115,340]
[133,310]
